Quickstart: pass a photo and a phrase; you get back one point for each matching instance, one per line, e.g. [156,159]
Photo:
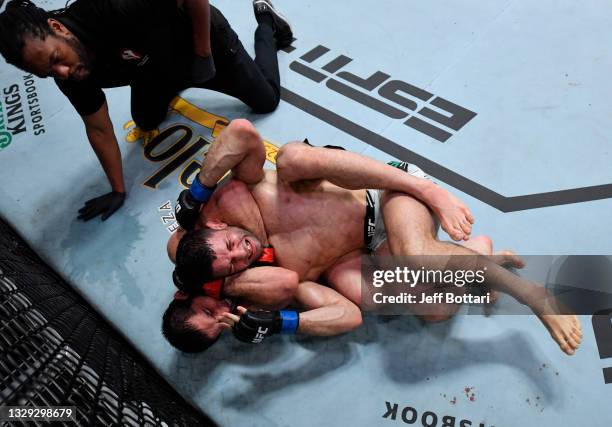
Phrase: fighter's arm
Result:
[297,161]
[326,313]
[238,148]
[269,288]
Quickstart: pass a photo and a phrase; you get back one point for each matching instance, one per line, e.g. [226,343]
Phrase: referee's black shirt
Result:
[144,41]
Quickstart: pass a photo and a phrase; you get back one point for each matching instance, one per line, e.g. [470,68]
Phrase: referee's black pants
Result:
[254,82]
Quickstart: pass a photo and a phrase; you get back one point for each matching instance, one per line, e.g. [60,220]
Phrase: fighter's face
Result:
[209,313]
[235,249]
[61,56]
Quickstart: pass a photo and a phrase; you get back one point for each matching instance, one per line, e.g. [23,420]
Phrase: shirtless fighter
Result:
[311,210]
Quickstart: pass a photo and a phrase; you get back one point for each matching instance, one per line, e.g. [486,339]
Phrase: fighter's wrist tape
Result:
[290,320]
[201,192]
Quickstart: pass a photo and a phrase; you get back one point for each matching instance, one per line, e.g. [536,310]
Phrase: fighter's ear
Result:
[58,28]
[215,224]
[173,242]
[181,296]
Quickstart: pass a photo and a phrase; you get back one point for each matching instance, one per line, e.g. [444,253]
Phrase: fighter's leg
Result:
[409,228]
[345,277]
[297,161]
[238,148]
[431,313]
[483,245]
[480,244]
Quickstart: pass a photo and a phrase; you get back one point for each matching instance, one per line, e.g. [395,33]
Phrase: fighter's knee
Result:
[353,319]
[487,243]
[421,237]
[418,244]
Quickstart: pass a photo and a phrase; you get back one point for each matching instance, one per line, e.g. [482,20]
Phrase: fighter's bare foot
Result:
[505,258]
[565,329]
[508,258]
[455,218]
[480,244]
[563,326]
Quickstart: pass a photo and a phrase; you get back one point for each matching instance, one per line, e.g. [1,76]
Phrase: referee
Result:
[157,47]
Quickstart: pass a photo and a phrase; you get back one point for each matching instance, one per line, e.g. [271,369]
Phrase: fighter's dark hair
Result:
[194,257]
[179,332]
[21,19]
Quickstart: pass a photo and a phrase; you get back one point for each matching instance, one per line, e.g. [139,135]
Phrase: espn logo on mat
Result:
[421,110]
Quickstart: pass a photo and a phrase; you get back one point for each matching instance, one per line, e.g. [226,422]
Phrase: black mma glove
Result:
[202,69]
[189,203]
[187,210]
[254,326]
[105,205]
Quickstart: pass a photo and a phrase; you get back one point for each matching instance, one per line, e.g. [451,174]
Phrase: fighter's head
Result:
[192,324]
[219,250]
[31,39]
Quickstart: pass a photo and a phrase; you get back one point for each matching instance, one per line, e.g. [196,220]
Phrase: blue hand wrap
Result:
[290,320]
[200,192]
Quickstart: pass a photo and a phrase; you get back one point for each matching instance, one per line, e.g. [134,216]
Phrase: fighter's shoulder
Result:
[230,189]
[228,195]
[229,183]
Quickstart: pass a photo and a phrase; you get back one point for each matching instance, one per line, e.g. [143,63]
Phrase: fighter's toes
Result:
[457,234]
[453,232]
[563,344]
[469,215]
[561,328]
[573,343]
[466,227]
[576,337]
